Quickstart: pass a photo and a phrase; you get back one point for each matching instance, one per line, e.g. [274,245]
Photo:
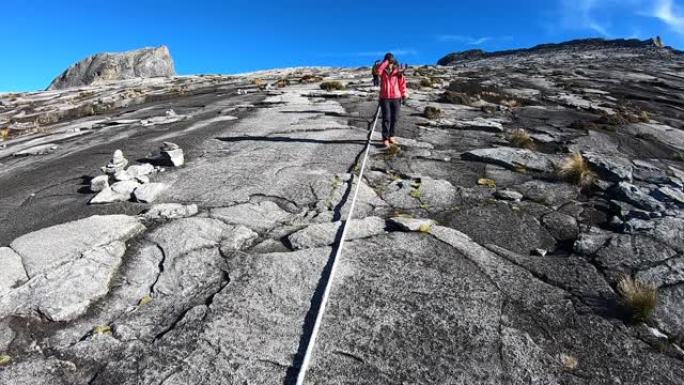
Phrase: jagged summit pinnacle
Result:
[140,63]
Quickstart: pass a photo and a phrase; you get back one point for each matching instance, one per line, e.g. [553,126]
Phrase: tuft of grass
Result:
[426,83]
[393,150]
[521,138]
[416,190]
[575,169]
[569,362]
[145,300]
[5,359]
[282,83]
[640,298]
[425,228]
[308,79]
[332,86]
[4,134]
[259,82]
[455,98]
[432,113]
[491,183]
[102,329]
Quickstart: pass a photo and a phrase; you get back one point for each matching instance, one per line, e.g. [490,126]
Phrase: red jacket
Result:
[392,84]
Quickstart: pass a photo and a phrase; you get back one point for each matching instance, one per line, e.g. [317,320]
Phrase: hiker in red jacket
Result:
[392,94]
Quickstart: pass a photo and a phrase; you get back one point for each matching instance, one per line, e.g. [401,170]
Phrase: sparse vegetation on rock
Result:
[432,113]
[332,86]
[521,138]
[575,169]
[639,298]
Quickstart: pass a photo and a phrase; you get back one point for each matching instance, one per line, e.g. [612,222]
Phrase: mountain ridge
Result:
[585,44]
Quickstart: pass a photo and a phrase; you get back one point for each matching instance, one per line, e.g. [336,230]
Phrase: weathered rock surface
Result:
[171,211]
[325,234]
[12,273]
[149,192]
[67,242]
[516,285]
[513,158]
[142,63]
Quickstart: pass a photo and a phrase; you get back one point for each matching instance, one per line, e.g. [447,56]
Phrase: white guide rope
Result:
[328,286]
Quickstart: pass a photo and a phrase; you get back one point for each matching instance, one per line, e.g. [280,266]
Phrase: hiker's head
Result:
[390,58]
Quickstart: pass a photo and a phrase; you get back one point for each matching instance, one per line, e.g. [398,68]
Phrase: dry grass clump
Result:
[491,183]
[5,359]
[454,97]
[332,86]
[432,113]
[521,138]
[640,298]
[259,82]
[4,134]
[102,329]
[426,83]
[424,228]
[575,169]
[308,79]
[282,83]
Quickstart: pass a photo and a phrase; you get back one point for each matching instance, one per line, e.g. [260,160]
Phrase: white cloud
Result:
[397,52]
[669,13]
[470,40]
[579,14]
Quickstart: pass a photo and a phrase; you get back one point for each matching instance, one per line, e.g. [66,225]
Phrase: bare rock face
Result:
[141,63]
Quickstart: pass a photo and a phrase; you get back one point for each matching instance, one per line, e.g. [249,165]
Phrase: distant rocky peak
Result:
[140,63]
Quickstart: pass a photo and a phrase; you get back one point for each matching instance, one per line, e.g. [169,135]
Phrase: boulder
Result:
[638,197]
[149,192]
[669,195]
[563,227]
[99,183]
[324,234]
[141,63]
[12,272]
[172,154]
[117,164]
[118,192]
[413,224]
[509,195]
[139,170]
[614,168]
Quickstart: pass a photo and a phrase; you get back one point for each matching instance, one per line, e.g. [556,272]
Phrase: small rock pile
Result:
[132,182]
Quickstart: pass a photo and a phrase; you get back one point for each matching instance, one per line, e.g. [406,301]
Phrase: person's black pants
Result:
[390,116]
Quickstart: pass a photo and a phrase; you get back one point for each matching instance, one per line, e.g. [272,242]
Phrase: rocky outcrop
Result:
[142,63]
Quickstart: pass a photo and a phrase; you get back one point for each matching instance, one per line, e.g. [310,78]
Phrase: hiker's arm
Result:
[383,66]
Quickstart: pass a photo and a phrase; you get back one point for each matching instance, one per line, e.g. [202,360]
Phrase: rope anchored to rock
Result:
[326,293]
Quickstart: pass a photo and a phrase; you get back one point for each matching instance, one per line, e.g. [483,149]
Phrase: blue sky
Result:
[42,38]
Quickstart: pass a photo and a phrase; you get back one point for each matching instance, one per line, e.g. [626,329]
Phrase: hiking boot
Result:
[392,140]
[386,143]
